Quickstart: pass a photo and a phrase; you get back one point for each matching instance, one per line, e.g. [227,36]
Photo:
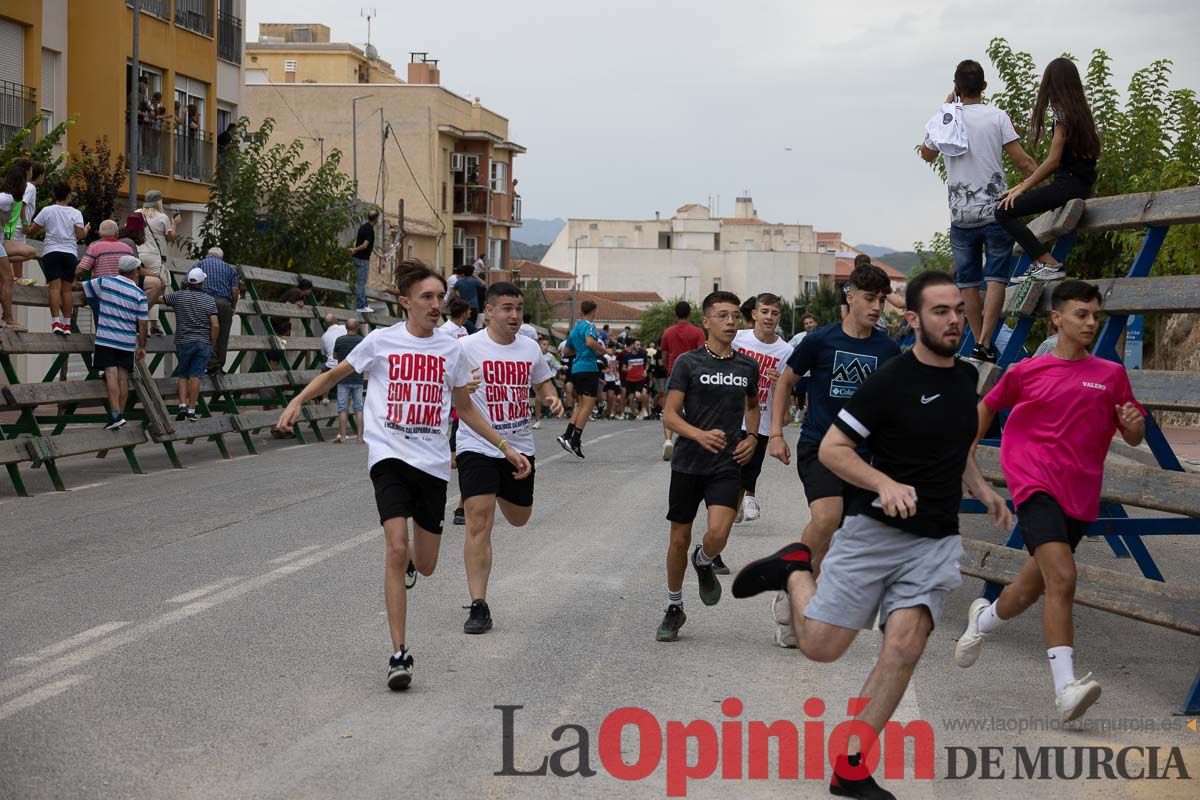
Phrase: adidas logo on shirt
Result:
[724,379]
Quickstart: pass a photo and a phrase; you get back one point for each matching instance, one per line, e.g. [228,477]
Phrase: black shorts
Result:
[800,390]
[105,357]
[1043,520]
[688,490]
[454,435]
[402,490]
[479,474]
[586,383]
[753,468]
[818,481]
[59,266]
[612,386]
[633,387]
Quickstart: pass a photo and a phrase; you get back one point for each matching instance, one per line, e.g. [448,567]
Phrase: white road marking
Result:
[294,554]
[87,486]
[38,695]
[78,639]
[89,652]
[196,594]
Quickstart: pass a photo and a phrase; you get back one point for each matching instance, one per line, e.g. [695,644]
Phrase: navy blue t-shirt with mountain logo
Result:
[715,392]
[839,364]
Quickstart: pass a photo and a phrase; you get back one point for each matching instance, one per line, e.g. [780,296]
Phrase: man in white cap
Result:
[122,324]
[196,328]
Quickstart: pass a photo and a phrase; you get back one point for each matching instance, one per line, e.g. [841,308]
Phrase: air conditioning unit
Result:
[457,162]
[460,237]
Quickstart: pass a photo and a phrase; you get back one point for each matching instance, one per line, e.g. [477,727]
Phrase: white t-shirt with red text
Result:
[506,373]
[453,329]
[409,383]
[769,357]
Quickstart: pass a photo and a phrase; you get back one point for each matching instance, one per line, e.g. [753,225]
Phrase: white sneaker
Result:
[1076,697]
[781,612]
[970,644]
[752,509]
[741,515]
[1043,272]
[668,448]
[365,310]
[537,425]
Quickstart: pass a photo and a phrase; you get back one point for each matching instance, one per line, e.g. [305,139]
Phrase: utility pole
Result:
[134,132]
[575,283]
[354,139]
[382,180]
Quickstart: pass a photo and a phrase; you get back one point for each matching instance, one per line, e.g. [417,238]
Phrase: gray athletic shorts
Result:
[872,569]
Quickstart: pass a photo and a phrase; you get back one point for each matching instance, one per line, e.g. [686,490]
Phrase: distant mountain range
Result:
[538,231]
[902,260]
[529,252]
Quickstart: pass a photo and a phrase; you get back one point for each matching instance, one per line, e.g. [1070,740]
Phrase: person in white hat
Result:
[196,330]
[122,324]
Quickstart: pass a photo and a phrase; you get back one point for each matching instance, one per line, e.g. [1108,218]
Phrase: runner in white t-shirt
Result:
[412,371]
[527,328]
[762,344]
[456,326]
[508,366]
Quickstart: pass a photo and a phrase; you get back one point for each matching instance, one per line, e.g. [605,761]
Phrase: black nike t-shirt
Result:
[715,392]
[919,422]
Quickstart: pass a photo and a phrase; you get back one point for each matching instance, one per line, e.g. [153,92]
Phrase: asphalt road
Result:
[218,632]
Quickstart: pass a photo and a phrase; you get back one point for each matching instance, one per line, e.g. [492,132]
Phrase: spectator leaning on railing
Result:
[349,388]
[121,330]
[196,330]
[222,284]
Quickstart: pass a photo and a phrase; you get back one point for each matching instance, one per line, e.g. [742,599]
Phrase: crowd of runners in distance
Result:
[884,455]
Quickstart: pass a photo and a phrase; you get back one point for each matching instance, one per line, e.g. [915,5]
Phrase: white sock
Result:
[1062,664]
[675,598]
[399,653]
[989,619]
[702,557]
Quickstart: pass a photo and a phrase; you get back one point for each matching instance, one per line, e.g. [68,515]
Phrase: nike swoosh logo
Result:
[927,400]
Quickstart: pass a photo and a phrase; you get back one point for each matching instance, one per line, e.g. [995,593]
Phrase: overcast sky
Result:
[630,107]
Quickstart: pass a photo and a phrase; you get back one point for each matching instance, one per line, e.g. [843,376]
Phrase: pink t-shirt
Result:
[1064,415]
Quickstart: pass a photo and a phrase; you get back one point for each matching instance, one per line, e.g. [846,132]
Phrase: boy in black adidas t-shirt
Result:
[896,556]
[711,389]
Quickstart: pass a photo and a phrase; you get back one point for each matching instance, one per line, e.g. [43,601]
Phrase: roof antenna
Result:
[369,13]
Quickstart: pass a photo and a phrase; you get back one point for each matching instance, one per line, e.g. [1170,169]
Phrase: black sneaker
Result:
[668,630]
[564,443]
[719,565]
[410,576]
[114,422]
[191,415]
[577,447]
[865,789]
[460,516]
[710,587]
[480,620]
[182,413]
[993,354]
[979,353]
[770,574]
[400,672]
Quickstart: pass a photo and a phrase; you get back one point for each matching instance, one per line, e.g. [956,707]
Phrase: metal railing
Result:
[157,8]
[154,146]
[195,15]
[229,37]
[18,105]
[516,208]
[193,154]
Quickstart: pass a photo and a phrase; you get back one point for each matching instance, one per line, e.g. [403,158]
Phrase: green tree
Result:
[660,316]
[1151,143]
[270,208]
[97,181]
[936,254]
[537,304]
[42,152]
[822,303]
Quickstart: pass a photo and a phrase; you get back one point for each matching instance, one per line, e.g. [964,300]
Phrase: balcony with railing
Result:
[516,208]
[193,154]
[154,146]
[229,37]
[18,105]
[195,16]
[156,8]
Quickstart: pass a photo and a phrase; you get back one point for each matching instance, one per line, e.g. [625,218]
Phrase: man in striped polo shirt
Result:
[122,324]
[196,328]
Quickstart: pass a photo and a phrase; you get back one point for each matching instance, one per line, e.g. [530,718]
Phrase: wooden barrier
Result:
[237,403]
[1165,487]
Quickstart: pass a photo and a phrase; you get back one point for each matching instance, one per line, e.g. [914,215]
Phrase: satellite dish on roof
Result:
[371,51]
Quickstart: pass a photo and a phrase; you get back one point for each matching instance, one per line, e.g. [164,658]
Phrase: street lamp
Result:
[575,283]
[685,280]
[354,138]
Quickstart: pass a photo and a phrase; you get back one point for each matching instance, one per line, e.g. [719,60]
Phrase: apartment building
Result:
[831,242]
[303,53]
[691,254]
[80,64]
[440,165]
